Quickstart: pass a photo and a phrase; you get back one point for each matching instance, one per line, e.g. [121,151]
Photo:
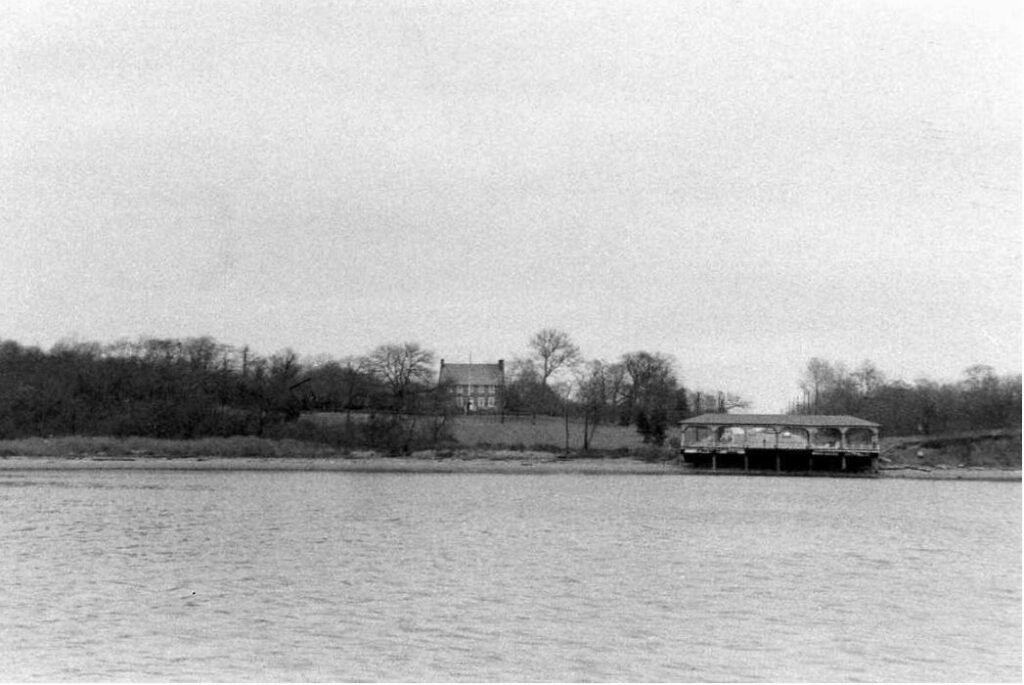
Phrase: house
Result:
[475,387]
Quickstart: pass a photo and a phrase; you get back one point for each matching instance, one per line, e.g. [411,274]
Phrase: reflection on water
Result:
[142,575]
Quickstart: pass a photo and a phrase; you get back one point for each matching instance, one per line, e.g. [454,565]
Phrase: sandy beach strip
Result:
[498,462]
[966,473]
[519,464]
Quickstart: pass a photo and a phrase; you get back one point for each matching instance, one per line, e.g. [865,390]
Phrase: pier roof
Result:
[800,420]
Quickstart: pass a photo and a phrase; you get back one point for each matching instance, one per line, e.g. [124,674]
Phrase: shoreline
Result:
[496,462]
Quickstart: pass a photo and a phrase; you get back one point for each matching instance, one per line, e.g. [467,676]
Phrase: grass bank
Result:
[252,447]
[999,449]
[101,446]
[979,455]
[546,433]
[516,432]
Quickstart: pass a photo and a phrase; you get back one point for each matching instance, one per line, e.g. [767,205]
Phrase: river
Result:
[132,575]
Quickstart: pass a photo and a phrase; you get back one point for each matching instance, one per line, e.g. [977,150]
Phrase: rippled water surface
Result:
[206,575]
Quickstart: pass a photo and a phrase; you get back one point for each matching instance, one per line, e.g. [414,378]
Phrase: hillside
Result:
[541,432]
[976,449]
[999,449]
[990,448]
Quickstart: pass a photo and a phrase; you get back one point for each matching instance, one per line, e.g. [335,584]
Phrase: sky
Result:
[741,185]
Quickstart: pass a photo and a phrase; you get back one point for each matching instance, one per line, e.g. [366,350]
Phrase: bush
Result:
[654,454]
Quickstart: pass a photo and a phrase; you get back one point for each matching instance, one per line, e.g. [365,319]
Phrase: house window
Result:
[490,402]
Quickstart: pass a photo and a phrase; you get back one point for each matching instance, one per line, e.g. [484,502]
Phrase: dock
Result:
[780,443]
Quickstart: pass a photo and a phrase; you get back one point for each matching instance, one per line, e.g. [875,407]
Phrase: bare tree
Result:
[526,392]
[401,367]
[648,374]
[818,378]
[652,385]
[598,386]
[553,349]
[868,378]
[727,401]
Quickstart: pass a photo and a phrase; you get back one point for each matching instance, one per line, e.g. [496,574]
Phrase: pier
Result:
[780,443]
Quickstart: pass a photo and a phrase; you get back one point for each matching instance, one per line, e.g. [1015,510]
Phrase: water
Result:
[207,575]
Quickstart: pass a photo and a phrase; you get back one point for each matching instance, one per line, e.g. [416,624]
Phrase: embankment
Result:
[952,455]
[989,456]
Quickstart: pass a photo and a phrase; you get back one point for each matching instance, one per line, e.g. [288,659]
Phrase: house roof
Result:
[472,374]
[800,420]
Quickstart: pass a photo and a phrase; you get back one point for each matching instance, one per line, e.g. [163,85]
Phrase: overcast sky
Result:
[743,185]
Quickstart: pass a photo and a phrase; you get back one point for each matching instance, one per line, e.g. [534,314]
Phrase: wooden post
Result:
[843,467]
[746,462]
[567,428]
[714,461]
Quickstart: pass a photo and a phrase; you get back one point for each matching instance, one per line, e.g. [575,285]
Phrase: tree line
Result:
[197,387]
[640,388]
[981,399]
[390,397]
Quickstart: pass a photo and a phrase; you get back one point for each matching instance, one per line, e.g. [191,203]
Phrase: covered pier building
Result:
[780,442]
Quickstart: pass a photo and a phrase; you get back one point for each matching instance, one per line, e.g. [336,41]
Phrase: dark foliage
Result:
[199,388]
[980,400]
